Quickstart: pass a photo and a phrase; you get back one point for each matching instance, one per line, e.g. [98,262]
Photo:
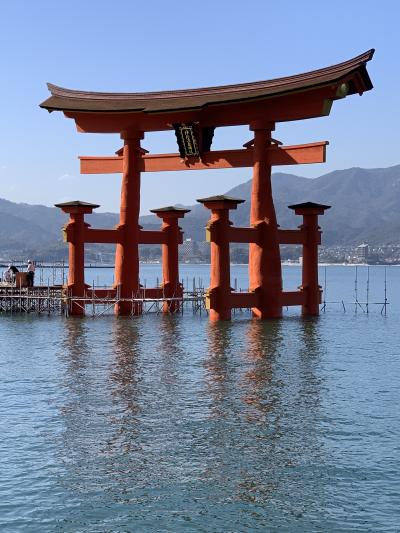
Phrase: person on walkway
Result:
[8,275]
[31,272]
[13,270]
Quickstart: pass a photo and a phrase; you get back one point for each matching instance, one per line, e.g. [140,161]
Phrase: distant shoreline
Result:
[284,263]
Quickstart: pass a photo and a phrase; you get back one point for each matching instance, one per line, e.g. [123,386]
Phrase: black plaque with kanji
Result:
[187,140]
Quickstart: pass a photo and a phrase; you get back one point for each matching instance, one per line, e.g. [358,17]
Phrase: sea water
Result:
[169,423]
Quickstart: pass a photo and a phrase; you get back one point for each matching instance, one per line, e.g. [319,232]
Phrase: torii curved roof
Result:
[353,72]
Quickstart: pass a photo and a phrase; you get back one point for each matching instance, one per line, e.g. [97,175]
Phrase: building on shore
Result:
[362,253]
[197,251]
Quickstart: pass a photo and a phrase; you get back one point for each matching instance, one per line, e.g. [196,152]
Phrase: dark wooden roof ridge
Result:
[178,93]
[76,100]
[220,198]
[309,205]
[170,208]
[77,203]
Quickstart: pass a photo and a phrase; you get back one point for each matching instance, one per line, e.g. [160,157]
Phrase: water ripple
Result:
[175,424]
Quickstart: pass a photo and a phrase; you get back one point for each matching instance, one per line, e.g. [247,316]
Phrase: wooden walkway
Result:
[40,300]
[56,300]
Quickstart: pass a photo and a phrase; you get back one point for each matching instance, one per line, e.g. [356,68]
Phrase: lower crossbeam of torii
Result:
[193,115]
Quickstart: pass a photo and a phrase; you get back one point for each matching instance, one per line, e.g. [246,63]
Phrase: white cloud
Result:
[66,177]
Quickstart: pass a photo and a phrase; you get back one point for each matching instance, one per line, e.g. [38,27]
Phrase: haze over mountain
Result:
[365,208]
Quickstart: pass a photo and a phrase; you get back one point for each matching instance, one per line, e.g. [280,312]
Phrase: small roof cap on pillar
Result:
[170,209]
[309,207]
[76,206]
[221,198]
[76,203]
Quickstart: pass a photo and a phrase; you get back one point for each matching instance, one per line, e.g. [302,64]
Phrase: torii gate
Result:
[194,114]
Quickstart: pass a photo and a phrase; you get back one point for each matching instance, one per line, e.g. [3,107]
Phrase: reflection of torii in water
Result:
[195,113]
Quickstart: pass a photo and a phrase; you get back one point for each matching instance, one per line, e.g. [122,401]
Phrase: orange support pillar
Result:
[127,250]
[171,286]
[310,285]
[75,236]
[265,271]
[219,293]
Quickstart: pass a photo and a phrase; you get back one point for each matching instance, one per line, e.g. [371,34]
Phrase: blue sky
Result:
[138,46]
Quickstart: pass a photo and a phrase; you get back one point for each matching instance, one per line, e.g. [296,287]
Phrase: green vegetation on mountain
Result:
[365,208]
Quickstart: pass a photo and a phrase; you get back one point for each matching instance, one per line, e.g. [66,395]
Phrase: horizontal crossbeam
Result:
[250,299]
[243,299]
[152,237]
[243,235]
[293,298]
[111,236]
[101,236]
[278,155]
[292,236]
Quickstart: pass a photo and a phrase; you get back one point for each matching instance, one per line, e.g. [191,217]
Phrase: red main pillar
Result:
[265,271]
[127,250]
[310,285]
[75,236]
[219,292]
[171,286]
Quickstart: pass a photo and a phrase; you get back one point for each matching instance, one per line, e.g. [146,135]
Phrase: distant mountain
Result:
[365,207]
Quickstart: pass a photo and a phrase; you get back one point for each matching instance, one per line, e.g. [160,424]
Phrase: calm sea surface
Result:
[168,423]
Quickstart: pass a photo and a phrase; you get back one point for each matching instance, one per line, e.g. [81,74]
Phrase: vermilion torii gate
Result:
[194,114]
